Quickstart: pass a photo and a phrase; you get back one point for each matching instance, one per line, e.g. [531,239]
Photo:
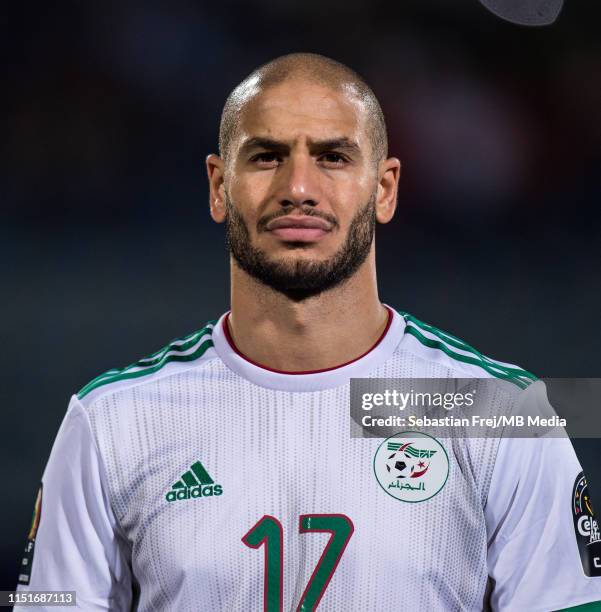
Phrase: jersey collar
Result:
[313,380]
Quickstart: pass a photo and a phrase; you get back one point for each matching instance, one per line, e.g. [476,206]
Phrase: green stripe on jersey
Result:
[155,361]
[450,345]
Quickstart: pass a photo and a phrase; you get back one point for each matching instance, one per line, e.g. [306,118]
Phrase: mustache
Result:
[307,212]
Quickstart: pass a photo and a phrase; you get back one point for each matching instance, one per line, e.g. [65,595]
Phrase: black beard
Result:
[302,279]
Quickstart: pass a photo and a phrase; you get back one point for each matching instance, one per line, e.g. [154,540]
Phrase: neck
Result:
[320,332]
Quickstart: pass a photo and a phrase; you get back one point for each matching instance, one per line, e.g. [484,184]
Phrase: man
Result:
[219,473]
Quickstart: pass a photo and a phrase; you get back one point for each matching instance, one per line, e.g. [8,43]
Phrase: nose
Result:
[299,182]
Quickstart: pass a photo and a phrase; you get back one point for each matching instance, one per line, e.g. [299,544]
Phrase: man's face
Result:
[300,188]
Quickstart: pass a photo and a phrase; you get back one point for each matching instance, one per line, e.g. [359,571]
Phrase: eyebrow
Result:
[316,146]
[340,144]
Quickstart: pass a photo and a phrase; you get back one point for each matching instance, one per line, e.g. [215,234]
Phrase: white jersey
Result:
[198,480]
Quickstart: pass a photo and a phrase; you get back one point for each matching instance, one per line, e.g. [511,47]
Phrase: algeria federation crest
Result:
[411,466]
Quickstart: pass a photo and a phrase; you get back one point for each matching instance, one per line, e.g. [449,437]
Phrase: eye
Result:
[266,159]
[332,159]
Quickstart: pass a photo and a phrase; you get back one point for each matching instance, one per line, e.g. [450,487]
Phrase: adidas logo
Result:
[194,483]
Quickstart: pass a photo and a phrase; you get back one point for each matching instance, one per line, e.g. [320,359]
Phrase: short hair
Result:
[315,68]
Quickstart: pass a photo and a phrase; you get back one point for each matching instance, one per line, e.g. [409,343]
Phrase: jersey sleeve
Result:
[543,540]
[74,543]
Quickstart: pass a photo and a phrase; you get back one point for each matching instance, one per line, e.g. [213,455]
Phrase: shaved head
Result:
[314,69]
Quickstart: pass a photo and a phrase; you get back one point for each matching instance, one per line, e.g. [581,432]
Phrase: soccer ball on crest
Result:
[408,462]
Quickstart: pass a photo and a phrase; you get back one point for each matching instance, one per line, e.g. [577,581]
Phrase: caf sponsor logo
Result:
[411,466]
[194,484]
[27,560]
[586,528]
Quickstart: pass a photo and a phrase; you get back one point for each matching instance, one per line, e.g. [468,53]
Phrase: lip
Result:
[293,228]
[294,221]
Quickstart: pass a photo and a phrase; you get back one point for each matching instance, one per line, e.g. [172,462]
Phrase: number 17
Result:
[268,531]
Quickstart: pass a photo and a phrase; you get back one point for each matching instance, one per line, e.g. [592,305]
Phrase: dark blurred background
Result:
[106,245]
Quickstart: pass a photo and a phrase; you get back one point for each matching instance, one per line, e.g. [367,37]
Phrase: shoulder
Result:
[176,357]
[430,343]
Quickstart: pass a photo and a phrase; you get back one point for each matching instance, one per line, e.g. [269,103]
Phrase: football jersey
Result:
[196,479]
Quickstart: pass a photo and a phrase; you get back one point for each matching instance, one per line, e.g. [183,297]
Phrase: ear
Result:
[389,173]
[216,172]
